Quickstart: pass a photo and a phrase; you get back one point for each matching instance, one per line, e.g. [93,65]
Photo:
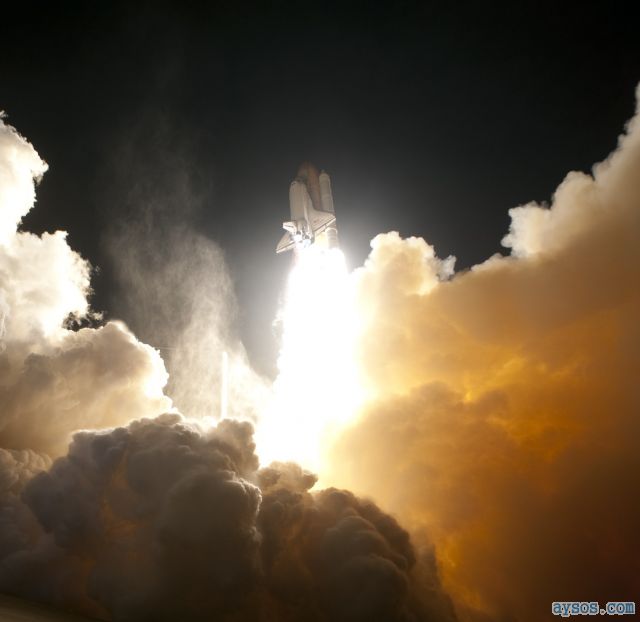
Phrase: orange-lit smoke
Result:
[506,426]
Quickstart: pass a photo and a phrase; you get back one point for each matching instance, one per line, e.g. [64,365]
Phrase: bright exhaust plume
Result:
[317,390]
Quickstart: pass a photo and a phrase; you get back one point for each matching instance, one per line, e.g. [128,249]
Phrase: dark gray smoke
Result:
[165,520]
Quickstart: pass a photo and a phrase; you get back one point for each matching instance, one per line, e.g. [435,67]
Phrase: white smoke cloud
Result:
[54,380]
[42,280]
[19,166]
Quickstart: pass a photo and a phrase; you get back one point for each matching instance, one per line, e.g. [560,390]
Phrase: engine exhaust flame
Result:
[317,390]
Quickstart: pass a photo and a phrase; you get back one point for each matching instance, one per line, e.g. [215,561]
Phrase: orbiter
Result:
[313,219]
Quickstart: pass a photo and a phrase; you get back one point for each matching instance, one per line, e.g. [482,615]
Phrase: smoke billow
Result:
[144,519]
[54,380]
[151,516]
[505,418]
[502,427]
[164,520]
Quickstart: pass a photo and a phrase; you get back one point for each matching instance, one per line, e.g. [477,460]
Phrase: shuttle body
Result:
[313,218]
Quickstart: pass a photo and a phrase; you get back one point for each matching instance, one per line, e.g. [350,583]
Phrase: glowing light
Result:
[317,389]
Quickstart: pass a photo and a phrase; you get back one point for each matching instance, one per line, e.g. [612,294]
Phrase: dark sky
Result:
[432,119]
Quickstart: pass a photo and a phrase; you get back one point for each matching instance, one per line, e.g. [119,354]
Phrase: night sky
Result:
[433,119]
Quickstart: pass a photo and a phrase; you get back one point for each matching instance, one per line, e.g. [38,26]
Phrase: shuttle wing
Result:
[320,220]
[286,243]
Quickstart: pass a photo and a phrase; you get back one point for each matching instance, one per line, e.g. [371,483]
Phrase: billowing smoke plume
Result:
[54,380]
[152,516]
[503,428]
[161,520]
[506,422]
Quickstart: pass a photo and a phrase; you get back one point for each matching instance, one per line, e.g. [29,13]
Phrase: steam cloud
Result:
[505,423]
[54,380]
[503,429]
[174,285]
[152,516]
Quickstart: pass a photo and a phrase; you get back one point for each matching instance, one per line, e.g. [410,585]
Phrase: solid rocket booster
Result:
[313,219]
[327,203]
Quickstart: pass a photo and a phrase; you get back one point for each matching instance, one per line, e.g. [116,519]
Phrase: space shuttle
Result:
[313,218]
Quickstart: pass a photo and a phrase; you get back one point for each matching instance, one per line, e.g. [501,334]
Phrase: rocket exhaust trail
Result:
[316,390]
